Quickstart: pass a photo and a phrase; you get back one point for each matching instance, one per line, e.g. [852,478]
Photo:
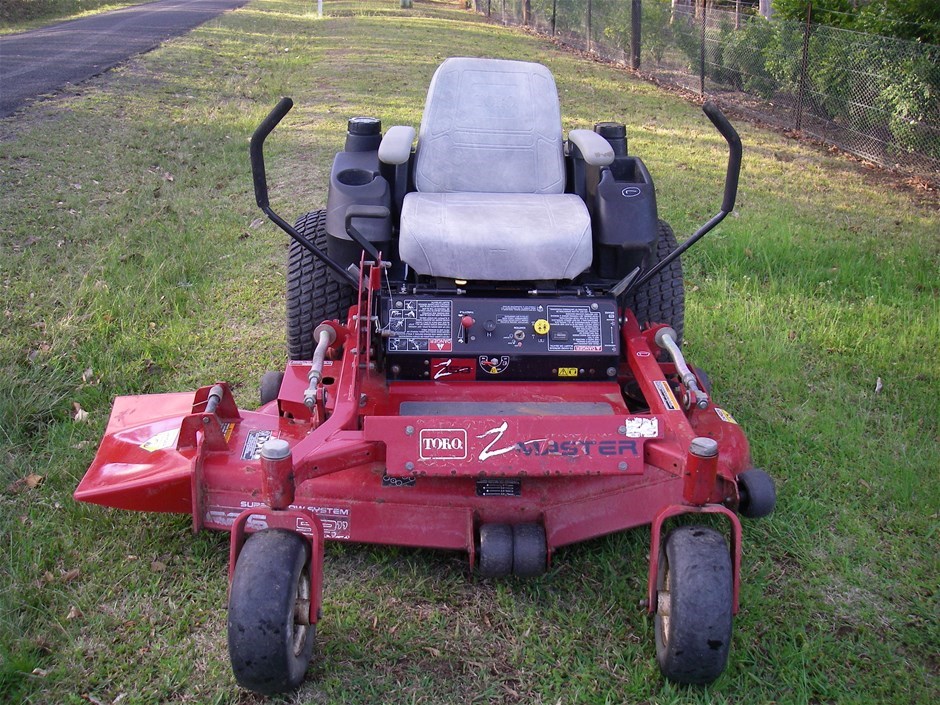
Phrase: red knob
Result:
[467,321]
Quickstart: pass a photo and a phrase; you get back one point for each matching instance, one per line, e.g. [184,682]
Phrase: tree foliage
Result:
[916,20]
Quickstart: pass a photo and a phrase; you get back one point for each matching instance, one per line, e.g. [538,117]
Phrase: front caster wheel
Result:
[757,492]
[270,386]
[693,610]
[270,639]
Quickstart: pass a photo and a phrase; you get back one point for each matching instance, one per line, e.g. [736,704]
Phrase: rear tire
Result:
[268,648]
[662,298]
[313,296]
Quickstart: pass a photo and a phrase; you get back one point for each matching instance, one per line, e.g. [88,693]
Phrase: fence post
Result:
[701,55]
[636,12]
[589,26]
[801,94]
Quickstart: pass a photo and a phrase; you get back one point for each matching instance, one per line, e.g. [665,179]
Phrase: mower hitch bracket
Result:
[211,406]
[338,443]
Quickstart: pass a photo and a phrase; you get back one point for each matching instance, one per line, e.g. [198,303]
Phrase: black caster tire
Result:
[704,379]
[693,612]
[269,649]
[313,296]
[530,554]
[270,386]
[496,550]
[757,494]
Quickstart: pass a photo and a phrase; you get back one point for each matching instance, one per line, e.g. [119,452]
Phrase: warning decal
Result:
[419,325]
[666,396]
[583,324]
[163,440]
[725,416]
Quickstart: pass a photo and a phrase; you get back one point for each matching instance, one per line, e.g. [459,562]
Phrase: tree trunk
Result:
[765,9]
[680,8]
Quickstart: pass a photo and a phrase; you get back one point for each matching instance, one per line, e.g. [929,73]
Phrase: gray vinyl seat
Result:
[490,179]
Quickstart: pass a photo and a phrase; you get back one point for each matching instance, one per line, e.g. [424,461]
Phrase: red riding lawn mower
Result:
[484,336]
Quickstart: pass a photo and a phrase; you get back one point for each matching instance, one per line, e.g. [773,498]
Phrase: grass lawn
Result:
[133,260]
[23,15]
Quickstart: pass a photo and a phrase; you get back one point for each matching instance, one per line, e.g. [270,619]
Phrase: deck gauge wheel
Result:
[496,550]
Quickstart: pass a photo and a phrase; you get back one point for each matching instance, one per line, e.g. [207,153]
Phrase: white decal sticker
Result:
[218,516]
[257,522]
[640,427]
[336,521]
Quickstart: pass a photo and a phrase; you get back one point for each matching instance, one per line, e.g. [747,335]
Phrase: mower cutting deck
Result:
[455,385]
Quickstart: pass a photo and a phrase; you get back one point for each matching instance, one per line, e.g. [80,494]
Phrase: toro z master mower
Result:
[484,335]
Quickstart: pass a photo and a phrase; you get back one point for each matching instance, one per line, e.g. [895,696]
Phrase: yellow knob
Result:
[541,326]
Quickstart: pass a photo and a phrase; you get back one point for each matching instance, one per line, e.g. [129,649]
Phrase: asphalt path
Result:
[41,61]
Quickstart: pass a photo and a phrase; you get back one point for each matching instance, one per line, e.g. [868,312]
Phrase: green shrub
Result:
[746,54]
[912,101]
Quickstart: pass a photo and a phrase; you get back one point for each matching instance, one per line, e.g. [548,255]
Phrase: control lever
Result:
[325,336]
[727,205]
[258,174]
[621,286]
[666,339]
[214,399]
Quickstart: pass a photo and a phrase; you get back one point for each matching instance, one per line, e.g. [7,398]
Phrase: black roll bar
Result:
[258,175]
[726,129]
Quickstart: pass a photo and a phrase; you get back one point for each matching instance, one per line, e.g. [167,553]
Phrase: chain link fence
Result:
[872,96]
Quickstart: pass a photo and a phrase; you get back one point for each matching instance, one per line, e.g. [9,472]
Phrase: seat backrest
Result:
[490,126]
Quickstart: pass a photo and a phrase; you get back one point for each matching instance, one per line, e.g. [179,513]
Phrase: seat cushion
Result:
[490,126]
[496,236]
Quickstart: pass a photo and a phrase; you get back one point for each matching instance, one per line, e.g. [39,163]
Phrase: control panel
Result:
[468,338]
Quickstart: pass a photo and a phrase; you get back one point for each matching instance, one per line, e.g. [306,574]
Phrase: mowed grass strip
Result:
[132,261]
